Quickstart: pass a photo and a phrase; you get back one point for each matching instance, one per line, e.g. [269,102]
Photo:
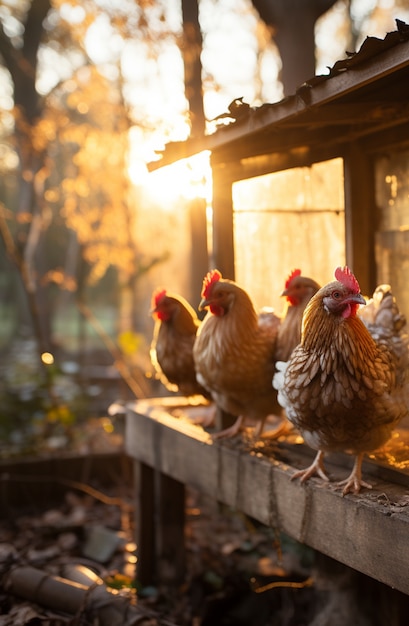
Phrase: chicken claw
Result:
[354,481]
[316,467]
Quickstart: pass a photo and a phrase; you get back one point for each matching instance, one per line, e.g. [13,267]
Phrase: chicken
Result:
[174,334]
[341,388]
[234,353]
[298,291]
[381,314]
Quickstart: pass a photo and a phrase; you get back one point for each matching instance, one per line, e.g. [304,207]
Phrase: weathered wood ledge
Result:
[368,532]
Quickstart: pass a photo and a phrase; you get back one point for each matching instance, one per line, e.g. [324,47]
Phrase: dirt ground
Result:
[71,560]
[64,519]
[232,576]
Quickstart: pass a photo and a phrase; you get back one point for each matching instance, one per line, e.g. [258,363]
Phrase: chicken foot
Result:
[354,482]
[231,431]
[285,428]
[316,467]
[207,417]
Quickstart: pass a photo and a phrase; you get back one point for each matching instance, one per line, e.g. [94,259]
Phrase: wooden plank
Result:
[367,532]
[388,62]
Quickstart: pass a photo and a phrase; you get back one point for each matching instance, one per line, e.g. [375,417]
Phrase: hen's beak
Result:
[203,304]
[284,293]
[358,299]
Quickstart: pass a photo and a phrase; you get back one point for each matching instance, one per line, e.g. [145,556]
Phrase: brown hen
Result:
[234,353]
[298,292]
[174,334]
[342,389]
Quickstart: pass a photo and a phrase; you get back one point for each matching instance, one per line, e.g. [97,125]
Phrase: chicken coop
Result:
[316,180]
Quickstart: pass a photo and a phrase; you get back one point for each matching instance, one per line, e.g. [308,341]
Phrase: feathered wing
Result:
[234,360]
[172,358]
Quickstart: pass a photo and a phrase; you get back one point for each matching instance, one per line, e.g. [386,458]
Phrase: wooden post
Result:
[170,530]
[223,240]
[360,216]
[200,261]
[160,527]
[145,523]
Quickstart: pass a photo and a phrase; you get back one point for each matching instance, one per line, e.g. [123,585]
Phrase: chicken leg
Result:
[316,467]
[354,481]
[231,431]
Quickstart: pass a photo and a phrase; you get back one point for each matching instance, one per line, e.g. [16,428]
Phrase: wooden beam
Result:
[367,532]
[343,114]
[267,163]
[316,97]
[223,238]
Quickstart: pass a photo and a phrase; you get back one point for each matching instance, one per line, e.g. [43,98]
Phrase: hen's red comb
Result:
[211,277]
[157,297]
[346,277]
[293,274]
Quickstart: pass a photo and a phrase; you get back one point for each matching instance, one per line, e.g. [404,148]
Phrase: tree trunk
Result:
[293,26]
[22,65]
[191,51]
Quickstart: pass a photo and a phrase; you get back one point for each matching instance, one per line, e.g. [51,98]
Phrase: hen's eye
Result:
[336,294]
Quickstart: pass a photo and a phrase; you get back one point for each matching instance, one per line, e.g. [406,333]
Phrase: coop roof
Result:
[363,94]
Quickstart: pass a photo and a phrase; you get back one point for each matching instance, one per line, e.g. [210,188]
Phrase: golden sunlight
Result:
[186,179]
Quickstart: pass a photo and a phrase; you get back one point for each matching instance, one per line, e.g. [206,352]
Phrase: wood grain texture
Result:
[368,532]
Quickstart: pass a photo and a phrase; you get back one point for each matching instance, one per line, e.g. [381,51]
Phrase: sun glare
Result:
[186,179]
